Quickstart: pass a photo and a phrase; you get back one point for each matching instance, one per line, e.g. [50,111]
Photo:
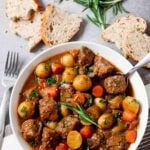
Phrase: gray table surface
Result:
[88,32]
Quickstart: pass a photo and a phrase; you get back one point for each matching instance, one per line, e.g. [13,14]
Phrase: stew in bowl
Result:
[77,100]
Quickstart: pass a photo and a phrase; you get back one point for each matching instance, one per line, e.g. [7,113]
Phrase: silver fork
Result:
[9,77]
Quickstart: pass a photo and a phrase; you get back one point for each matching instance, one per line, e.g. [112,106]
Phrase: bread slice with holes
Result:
[136,45]
[21,9]
[29,29]
[58,26]
[116,31]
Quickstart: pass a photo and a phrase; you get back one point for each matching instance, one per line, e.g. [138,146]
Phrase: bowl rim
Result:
[67,44]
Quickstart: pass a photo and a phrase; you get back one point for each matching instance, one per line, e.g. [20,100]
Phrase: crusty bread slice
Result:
[58,26]
[21,9]
[136,45]
[115,32]
[29,29]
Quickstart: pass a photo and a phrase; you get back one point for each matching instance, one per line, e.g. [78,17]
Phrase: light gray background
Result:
[88,32]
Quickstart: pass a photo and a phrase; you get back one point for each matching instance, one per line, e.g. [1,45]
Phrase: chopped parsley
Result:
[33,94]
[103,101]
[102,141]
[89,101]
[37,79]
[117,115]
[65,124]
[50,81]
[123,95]
[117,82]
[106,121]
[89,69]
[76,69]
[87,148]
[46,67]
[32,142]
[24,111]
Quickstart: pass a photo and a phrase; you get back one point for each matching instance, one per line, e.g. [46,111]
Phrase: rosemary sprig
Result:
[82,113]
[99,10]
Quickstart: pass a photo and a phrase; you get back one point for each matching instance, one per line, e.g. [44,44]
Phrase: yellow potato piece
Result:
[129,103]
[74,139]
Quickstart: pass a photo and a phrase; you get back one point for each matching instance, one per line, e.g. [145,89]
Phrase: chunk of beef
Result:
[85,57]
[95,140]
[66,125]
[49,139]
[115,84]
[102,67]
[48,109]
[66,91]
[31,130]
[118,142]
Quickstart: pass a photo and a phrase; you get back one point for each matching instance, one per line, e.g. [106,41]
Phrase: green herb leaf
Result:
[99,9]
[117,115]
[82,113]
[103,101]
[50,81]
[24,111]
[37,79]
[89,101]
[76,68]
[33,94]
[46,67]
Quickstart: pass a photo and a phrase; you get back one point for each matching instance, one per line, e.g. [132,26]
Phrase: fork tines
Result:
[11,65]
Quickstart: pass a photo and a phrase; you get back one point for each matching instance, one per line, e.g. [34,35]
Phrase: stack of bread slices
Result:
[30,21]
[128,33]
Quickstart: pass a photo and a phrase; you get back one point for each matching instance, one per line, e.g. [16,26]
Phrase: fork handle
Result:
[3,112]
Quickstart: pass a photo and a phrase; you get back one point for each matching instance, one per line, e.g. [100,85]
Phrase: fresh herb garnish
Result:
[37,79]
[87,148]
[103,101]
[99,9]
[117,82]
[123,95]
[33,94]
[117,115]
[89,101]
[82,113]
[106,121]
[32,142]
[46,67]
[24,111]
[102,141]
[89,69]
[50,81]
[65,124]
[76,69]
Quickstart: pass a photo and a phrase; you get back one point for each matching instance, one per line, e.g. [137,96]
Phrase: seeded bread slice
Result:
[58,26]
[29,29]
[21,9]
[115,32]
[137,45]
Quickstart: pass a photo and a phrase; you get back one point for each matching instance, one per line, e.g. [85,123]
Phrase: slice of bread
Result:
[115,32]
[21,9]
[137,45]
[29,29]
[58,26]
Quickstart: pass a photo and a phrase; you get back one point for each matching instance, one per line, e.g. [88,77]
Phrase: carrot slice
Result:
[61,146]
[128,116]
[79,98]
[86,131]
[98,91]
[130,136]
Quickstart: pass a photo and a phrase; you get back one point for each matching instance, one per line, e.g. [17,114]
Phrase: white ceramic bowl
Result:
[114,57]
